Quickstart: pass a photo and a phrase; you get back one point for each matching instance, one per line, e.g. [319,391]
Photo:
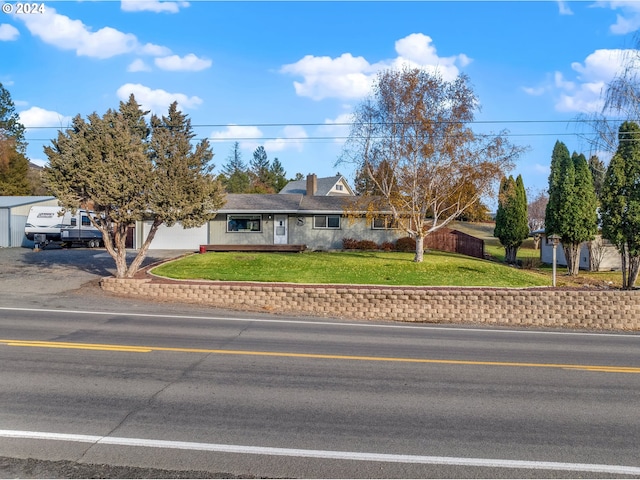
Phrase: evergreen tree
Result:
[279,175]
[511,219]
[571,211]
[262,180]
[115,166]
[14,169]
[598,170]
[620,209]
[10,126]
[14,165]
[235,176]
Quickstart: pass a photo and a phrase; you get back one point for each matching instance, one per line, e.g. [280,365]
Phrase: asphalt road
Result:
[178,388]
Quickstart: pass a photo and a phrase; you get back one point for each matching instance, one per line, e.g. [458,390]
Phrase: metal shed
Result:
[13,217]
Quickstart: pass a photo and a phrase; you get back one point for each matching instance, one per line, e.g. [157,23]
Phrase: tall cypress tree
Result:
[620,209]
[511,218]
[571,211]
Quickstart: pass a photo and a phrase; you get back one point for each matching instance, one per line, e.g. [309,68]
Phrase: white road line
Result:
[325,454]
[313,322]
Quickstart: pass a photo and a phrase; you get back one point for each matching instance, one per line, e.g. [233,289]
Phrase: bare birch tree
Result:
[413,141]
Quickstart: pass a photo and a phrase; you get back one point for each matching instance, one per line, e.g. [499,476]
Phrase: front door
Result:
[280,230]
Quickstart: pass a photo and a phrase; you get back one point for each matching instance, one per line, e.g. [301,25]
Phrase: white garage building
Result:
[13,217]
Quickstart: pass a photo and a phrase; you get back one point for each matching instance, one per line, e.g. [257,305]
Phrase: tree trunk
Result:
[419,249]
[510,255]
[634,268]
[572,256]
[623,262]
[536,242]
[142,253]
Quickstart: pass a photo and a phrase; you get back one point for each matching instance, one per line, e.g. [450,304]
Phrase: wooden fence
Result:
[454,241]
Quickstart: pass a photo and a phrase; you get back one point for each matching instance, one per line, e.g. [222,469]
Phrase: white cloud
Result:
[39,117]
[343,77]
[348,77]
[189,63]
[584,95]
[138,65]
[237,133]
[539,168]
[534,91]
[564,8]
[338,129]
[154,50]
[293,137]
[629,20]
[67,34]
[158,100]
[152,6]
[8,32]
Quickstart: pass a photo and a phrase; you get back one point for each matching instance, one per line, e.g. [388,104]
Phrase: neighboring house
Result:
[607,252]
[13,217]
[320,220]
[321,187]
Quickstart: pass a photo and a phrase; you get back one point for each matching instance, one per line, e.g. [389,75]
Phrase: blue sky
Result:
[286,74]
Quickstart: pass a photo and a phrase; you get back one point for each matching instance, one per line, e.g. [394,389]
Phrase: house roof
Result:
[288,203]
[261,203]
[17,201]
[324,186]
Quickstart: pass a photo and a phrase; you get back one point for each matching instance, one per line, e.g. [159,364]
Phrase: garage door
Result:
[176,237]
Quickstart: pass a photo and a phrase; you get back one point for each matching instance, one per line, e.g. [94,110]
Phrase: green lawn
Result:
[377,268]
[385,268]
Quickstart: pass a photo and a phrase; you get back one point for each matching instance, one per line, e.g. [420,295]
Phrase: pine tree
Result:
[262,180]
[279,175]
[14,169]
[620,202]
[598,170]
[571,212]
[235,175]
[14,165]
[511,218]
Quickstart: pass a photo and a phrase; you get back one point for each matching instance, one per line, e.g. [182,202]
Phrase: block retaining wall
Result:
[594,309]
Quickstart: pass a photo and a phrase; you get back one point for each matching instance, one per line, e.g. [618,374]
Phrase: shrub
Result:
[367,245]
[349,243]
[532,263]
[387,246]
[406,244]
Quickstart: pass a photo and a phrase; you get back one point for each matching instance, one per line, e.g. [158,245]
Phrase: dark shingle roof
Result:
[261,203]
[290,203]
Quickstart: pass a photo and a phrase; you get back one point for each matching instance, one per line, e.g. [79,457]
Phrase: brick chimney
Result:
[312,184]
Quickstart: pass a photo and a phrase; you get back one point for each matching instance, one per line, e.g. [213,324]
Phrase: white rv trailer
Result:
[50,224]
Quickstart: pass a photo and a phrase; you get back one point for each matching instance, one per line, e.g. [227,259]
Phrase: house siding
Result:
[610,259]
[302,232]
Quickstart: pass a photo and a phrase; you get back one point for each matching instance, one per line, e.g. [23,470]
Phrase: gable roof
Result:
[324,186]
[254,203]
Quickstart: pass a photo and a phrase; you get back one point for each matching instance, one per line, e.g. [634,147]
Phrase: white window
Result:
[326,221]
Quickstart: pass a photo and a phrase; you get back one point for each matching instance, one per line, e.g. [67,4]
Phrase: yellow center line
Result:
[147,349]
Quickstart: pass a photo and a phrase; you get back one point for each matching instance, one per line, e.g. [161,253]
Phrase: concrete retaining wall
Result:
[597,309]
